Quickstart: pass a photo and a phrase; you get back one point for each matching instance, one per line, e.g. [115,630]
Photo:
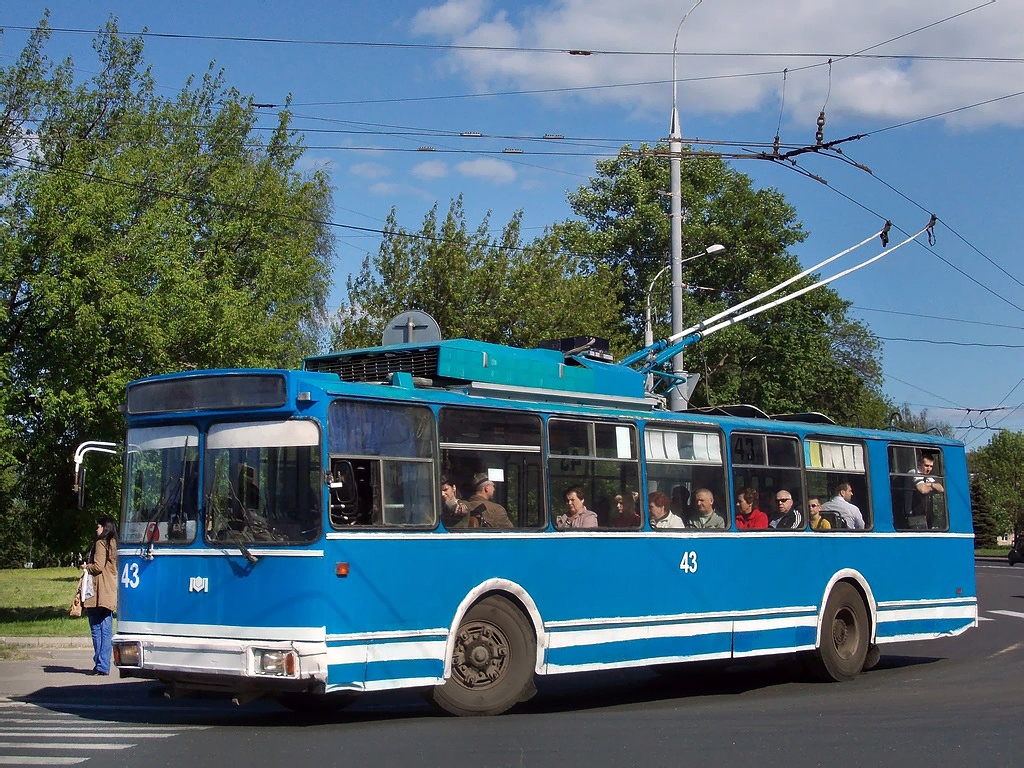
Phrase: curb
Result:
[48,642]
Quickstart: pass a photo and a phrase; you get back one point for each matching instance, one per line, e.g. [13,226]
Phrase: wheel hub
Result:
[481,655]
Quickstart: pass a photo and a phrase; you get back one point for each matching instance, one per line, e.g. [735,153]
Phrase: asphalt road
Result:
[942,703]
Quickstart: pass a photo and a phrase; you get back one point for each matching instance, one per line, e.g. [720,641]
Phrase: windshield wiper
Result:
[241,545]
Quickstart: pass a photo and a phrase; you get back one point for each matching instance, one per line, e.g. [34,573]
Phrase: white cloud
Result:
[494,171]
[453,17]
[431,169]
[868,89]
[370,170]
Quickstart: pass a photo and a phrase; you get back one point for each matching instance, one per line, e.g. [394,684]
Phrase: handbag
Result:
[87,587]
[76,605]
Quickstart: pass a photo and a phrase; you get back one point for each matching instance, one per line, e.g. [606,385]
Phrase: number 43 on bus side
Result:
[689,562]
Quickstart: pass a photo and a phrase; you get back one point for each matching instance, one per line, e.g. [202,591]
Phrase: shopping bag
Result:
[87,587]
[76,606]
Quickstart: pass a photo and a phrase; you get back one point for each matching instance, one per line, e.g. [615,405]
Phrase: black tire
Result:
[844,636]
[874,656]
[492,661]
[316,704]
[1013,558]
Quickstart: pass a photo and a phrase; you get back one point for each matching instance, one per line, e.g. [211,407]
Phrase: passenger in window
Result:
[626,514]
[786,515]
[488,513]
[681,501]
[660,508]
[577,514]
[706,516]
[842,505]
[818,523]
[926,488]
[748,516]
[454,512]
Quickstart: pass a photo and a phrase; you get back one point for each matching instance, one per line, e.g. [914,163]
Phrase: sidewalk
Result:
[50,668]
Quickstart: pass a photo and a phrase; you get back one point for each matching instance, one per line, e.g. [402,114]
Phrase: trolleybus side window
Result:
[262,482]
[599,457]
[382,465]
[918,484]
[161,485]
[837,476]
[681,462]
[770,464]
[503,447]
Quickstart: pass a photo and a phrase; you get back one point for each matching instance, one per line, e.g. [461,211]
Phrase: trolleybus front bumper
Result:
[249,667]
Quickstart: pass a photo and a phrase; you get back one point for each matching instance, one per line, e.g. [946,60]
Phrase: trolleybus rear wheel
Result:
[844,636]
[492,661]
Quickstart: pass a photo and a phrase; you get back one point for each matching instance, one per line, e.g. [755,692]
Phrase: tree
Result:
[986,529]
[999,472]
[476,286]
[139,234]
[904,418]
[805,355]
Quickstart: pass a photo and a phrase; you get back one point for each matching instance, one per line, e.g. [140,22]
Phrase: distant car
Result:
[1016,553]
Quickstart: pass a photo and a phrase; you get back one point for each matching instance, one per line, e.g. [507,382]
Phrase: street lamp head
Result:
[716,248]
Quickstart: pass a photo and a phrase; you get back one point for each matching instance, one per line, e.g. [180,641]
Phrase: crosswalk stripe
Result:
[51,745]
[32,760]
[111,735]
[1015,614]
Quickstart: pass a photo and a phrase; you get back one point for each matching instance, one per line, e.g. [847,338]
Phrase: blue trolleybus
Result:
[284,533]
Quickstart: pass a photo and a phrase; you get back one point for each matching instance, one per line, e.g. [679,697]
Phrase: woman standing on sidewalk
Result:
[102,564]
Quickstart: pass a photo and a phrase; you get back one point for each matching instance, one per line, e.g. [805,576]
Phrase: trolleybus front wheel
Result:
[844,636]
[492,661]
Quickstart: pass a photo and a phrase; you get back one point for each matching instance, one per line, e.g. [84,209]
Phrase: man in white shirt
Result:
[841,504]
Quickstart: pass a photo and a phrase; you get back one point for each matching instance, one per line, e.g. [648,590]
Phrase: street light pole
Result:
[678,400]
[649,329]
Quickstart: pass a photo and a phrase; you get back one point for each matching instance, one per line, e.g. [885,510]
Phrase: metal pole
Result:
[649,329]
[678,400]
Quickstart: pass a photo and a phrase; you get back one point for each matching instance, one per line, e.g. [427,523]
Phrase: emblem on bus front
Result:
[198,584]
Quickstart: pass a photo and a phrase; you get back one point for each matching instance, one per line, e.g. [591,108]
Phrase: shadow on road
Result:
[144,702]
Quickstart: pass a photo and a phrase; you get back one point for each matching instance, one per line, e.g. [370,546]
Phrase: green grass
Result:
[34,602]
[993,552]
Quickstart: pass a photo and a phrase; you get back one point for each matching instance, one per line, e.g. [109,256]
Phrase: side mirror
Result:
[84,448]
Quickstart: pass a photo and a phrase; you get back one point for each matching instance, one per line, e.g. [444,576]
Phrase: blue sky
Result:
[934,92]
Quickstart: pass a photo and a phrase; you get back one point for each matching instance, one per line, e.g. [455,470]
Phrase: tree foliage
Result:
[986,527]
[139,234]
[998,469]
[906,419]
[476,285]
[805,355]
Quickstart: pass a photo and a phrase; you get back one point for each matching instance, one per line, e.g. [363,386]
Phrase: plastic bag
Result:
[87,587]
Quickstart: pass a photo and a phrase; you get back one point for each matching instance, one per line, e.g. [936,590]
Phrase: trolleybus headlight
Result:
[127,654]
[278,663]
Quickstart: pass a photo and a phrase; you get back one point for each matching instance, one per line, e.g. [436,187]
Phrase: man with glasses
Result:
[846,511]
[786,515]
[818,523]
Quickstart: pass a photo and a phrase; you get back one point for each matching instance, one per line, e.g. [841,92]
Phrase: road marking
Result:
[110,735]
[1015,614]
[25,760]
[28,745]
